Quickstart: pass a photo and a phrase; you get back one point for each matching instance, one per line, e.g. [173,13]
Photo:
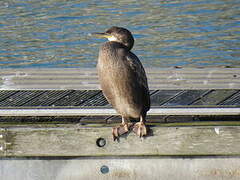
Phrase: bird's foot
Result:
[140,129]
[120,130]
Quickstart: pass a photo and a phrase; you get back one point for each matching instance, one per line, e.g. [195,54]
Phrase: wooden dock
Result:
[56,124]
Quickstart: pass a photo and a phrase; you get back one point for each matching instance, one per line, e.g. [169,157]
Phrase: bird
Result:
[123,80]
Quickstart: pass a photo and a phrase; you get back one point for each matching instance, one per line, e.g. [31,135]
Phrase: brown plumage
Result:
[123,80]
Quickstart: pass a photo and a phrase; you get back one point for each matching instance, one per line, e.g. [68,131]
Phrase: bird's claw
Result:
[140,129]
[120,130]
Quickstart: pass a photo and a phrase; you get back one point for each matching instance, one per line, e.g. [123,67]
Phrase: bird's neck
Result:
[118,44]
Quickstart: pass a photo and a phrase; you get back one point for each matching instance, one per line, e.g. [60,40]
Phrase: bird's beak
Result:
[101,35]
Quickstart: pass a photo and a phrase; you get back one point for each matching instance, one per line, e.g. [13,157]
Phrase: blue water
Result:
[55,34]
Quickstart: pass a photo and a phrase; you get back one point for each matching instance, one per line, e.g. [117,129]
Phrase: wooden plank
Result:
[105,111]
[83,141]
[180,120]
[38,72]
[208,168]
[159,78]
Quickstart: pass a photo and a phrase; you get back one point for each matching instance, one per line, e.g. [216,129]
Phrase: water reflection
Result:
[54,33]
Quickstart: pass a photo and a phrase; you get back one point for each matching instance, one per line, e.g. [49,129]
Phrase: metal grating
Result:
[47,98]
[96,100]
[20,98]
[233,99]
[83,98]
[73,98]
[6,94]
[186,97]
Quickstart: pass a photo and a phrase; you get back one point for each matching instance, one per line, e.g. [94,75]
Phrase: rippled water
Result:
[54,33]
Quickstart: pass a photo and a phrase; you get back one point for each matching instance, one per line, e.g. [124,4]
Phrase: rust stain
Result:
[223,173]
[121,174]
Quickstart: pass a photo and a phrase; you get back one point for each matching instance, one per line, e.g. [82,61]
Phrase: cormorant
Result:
[123,80]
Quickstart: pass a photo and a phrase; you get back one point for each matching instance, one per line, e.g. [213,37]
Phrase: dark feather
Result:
[123,80]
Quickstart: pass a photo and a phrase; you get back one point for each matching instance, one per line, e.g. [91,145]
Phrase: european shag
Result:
[123,80]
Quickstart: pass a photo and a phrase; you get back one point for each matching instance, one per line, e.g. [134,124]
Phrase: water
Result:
[55,33]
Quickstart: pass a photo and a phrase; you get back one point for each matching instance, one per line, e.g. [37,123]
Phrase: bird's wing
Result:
[137,67]
[141,78]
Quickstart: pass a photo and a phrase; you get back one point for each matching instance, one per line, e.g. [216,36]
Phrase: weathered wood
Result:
[104,111]
[99,121]
[158,78]
[79,141]
[208,168]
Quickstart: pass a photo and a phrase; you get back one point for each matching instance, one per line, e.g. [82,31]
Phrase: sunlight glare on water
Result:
[55,33]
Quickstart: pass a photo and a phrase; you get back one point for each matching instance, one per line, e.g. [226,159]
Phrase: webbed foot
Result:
[140,129]
[120,130]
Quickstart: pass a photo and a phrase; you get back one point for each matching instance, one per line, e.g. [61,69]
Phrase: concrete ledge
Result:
[155,168]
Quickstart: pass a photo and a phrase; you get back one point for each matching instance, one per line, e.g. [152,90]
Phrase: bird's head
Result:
[118,34]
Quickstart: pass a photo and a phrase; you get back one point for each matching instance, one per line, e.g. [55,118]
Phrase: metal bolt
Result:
[101,142]
[104,169]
